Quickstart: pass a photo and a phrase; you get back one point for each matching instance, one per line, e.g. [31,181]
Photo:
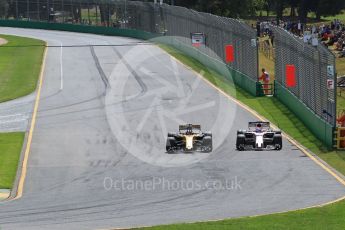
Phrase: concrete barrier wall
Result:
[78,28]
[321,129]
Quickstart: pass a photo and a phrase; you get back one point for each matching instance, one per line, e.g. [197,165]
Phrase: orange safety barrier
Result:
[340,134]
[340,138]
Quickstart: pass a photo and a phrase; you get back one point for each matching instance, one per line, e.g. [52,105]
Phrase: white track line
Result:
[61,67]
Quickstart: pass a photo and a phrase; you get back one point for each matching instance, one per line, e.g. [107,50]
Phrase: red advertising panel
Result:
[290,74]
[229,53]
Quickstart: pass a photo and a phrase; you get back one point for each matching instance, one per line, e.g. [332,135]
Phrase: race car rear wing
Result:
[256,124]
[184,127]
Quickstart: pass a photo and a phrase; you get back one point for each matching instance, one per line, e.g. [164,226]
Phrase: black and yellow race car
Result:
[189,139]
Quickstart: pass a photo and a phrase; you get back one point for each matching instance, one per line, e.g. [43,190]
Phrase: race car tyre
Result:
[207,144]
[207,134]
[171,145]
[278,147]
[240,143]
[240,147]
[171,134]
[278,143]
[240,132]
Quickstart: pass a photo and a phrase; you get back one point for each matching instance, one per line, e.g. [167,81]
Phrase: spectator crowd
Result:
[331,35]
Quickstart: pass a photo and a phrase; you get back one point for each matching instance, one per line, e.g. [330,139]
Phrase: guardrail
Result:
[79,28]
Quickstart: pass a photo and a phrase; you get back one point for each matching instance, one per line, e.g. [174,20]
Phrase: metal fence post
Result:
[17,9]
[63,11]
[27,10]
[96,14]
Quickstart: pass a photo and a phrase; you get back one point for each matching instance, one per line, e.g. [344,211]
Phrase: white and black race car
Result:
[259,136]
[189,139]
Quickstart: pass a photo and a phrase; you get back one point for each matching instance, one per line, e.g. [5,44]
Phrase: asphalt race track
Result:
[98,153]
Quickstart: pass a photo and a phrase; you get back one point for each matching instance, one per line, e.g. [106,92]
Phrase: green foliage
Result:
[245,8]
[225,8]
[228,8]
[329,7]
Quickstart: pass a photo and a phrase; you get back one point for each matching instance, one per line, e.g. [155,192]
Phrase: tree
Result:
[259,5]
[189,3]
[279,6]
[293,5]
[304,8]
[229,8]
[328,8]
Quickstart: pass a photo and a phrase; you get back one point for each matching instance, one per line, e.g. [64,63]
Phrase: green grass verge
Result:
[328,217]
[20,65]
[10,148]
